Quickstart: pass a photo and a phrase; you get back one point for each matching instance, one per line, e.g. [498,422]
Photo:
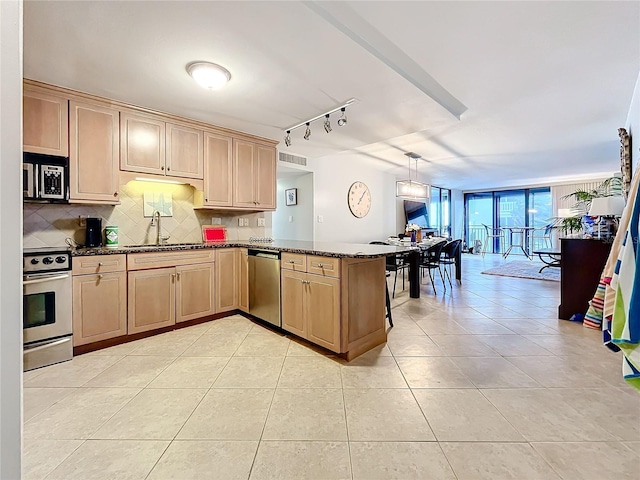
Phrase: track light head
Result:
[287,139]
[327,123]
[307,133]
[343,117]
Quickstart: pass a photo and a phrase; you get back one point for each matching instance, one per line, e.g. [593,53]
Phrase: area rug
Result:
[522,269]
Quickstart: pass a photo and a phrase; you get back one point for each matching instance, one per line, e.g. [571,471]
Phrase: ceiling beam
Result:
[345,19]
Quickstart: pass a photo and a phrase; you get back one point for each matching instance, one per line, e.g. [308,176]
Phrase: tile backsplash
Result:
[48,225]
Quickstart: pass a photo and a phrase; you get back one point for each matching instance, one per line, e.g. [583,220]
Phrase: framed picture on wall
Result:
[291,196]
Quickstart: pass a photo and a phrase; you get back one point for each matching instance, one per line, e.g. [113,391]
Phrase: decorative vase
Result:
[413,236]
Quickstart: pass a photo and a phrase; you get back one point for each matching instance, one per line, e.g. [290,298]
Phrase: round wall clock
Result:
[359,199]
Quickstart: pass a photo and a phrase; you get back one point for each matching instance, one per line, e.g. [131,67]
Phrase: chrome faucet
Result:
[156,222]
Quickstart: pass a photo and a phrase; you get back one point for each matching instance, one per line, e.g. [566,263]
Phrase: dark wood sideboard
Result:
[581,265]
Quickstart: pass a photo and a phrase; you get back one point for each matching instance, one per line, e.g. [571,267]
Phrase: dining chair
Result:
[430,260]
[394,263]
[448,256]
[544,234]
[491,233]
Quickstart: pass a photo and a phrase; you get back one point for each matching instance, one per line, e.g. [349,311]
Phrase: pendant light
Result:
[412,188]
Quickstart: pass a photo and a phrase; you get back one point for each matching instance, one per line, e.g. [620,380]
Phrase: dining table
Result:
[413,256]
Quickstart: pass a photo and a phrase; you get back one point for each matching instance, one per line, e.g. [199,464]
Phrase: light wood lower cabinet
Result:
[243,279]
[341,308]
[151,299]
[227,266]
[99,307]
[311,308]
[194,291]
[99,298]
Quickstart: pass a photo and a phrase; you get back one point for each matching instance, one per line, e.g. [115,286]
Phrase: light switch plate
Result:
[290,218]
[320,218]
[261,222]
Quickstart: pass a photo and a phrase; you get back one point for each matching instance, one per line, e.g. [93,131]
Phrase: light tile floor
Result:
[480,382]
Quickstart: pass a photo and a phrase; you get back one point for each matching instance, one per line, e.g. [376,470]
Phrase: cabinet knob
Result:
[206,199]
[99,264]
[168,168]
[161,168]
[100,276]
[115,194]
[320,265]
[292,261]
[178,276]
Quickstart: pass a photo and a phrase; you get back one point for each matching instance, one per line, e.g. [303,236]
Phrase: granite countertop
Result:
[327,249]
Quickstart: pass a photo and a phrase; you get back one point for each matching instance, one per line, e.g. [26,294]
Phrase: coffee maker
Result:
[94,232]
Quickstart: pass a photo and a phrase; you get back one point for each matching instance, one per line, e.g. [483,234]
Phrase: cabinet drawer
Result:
[294,261]
[98,264]
[327,266]
[143,261]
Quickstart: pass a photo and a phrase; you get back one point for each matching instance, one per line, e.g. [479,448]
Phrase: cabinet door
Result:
[243,174]
[218,170]
[151,299]
[322,311]
[94,153]
[293,290]
[142,147]
[226,280]
[265,181]
[194,291]
[99,307]
[243,279]
[184,151]
[45,123]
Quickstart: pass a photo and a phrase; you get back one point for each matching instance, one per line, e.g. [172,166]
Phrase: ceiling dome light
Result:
[209,75]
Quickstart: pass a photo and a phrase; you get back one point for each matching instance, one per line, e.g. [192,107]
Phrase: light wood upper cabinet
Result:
[243,279]
[244,174]
[194,291]
[142,147]
[227,279]
[254,175]
[45,123]
[184,151]
[99,307]
[151,299]
[218,170]
[94,143]
[265,182]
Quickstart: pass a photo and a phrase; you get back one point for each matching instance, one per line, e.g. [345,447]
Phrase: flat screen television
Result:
[416,212]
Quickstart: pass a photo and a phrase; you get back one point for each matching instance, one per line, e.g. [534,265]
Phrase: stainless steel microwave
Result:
[45,178]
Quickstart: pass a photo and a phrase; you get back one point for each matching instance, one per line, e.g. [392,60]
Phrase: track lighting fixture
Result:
[343,117]
[327,123]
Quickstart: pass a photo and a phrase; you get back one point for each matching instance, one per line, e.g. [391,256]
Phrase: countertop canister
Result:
[111,236]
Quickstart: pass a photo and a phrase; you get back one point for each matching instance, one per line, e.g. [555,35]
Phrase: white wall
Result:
[633,126]
[10,239]
[294,222]
[332,178]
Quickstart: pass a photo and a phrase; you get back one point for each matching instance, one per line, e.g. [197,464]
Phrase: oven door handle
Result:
[47,345]
[45,279]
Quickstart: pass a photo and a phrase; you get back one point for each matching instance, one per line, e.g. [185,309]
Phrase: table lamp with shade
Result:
[606,208]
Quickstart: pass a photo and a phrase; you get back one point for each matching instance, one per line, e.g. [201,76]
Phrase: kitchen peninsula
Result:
[332,294]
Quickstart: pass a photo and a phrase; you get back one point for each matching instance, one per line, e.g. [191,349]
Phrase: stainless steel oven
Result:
[46,320]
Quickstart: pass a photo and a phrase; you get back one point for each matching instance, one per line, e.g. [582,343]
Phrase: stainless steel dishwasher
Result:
[264,285]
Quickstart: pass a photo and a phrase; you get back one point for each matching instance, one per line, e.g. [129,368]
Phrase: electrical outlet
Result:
[261,222]
[82,220]
[241,222]
[216,221]
[290,218]
[320,218]
[246,222]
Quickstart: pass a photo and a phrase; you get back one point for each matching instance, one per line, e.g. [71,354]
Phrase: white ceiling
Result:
[545,84]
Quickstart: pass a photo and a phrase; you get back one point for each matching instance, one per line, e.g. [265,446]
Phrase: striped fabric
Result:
[593,317]
[625,322]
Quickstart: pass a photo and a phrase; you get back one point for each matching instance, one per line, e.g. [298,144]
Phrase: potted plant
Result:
[583,198]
